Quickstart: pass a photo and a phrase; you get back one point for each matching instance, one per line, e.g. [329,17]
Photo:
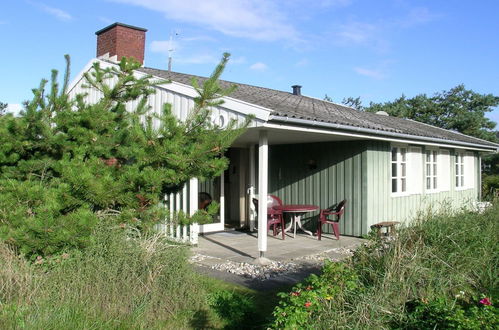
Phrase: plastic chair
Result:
[274,217]
[339,210]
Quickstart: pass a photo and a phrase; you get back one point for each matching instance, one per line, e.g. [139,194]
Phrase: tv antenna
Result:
[171,48]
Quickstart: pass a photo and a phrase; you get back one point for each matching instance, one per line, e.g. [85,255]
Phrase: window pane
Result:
[434,169]
[462,158]
[428,183]
[394,154]
[403,169]
[457,181]
[404,188]
[462,169]
[427,156]
[457,169]
[462,181]
[434,156]
[394,169]
[435,182]
[402,152]
[428,169]
[394,185]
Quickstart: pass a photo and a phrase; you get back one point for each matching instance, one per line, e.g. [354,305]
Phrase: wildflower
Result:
[65,255]
[122,225]
[460,294]
[329,298]
[308,304]
[295,294]
[309,287]
[486,301]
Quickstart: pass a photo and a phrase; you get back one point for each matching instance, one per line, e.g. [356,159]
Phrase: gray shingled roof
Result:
[286,104]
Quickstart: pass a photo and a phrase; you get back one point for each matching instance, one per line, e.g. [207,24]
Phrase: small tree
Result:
[66,165]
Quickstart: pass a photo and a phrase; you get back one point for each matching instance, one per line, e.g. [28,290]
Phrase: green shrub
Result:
[432,260]
[308,300]
[457,314]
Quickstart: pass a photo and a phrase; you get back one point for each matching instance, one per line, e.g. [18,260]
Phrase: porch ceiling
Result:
[282,136]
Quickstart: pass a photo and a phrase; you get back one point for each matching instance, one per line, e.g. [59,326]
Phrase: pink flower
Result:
[486,301]
[308,304]
[295,294]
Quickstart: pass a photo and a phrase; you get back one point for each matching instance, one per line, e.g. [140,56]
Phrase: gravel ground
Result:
[272,270]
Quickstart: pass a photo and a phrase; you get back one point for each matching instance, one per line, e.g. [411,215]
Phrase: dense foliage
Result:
[66,164]
[442,272]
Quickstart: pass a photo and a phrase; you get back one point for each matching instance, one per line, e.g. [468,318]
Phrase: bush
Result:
[431,262]
[308,300]
[457,314]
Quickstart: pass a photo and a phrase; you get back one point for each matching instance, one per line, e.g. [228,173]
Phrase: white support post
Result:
[263,163]
[222,200]
[251,187]
[193,207]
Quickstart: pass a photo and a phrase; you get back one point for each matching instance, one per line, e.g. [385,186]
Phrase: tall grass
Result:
[115,283]
[435,258]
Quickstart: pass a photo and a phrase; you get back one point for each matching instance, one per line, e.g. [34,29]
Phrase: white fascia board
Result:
[87,68]
[370,137]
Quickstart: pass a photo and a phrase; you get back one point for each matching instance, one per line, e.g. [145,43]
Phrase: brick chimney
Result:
[120,40]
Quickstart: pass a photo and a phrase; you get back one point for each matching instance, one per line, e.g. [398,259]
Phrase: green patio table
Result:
[296,211]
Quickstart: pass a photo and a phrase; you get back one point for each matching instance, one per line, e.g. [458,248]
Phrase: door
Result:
[213,188]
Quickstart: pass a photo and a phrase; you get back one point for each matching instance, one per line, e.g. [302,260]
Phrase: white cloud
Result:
[105,20]
[259,66]
[197,59]
[237,60]
[258,19]
[371,73]
[14,108]
[164,46]
[56,12]
[357,32]
[301,63]
[417,16]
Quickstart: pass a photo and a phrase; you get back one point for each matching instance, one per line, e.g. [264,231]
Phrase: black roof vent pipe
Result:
[296,89]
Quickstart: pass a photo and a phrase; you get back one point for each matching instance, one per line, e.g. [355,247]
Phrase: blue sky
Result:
[377,50]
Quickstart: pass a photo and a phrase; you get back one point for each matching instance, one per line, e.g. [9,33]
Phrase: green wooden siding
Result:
[336,175]
[382,206]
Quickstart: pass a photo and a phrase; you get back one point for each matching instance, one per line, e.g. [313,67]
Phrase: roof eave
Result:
[370,131]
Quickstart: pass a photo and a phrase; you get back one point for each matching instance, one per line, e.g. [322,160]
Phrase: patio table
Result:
[296,210]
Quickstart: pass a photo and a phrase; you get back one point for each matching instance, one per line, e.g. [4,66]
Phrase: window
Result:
[459,169]
[431,170]
[399,170]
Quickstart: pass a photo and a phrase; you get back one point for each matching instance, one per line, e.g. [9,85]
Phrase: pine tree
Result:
[66,165]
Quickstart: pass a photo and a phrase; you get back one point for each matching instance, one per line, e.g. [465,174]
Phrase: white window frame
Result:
[431,157]
[401,166]
[459,170]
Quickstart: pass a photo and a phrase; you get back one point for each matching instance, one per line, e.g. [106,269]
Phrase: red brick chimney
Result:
[120,40]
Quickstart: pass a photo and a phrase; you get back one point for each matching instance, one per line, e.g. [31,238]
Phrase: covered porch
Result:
[301,166]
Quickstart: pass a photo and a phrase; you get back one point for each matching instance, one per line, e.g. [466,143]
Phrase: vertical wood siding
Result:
[381,206]
[337,176]
[181,104]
